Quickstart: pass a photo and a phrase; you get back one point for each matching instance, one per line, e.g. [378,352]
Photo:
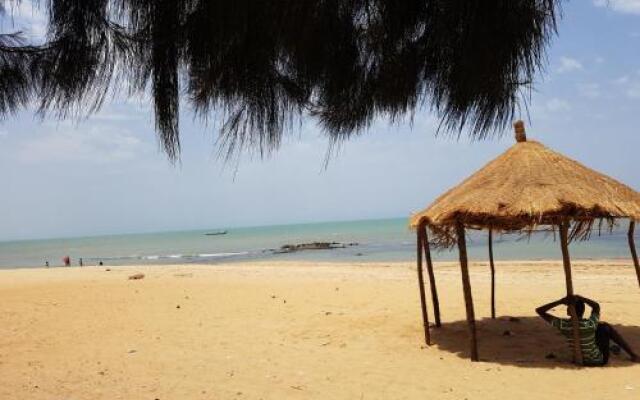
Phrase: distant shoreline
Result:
[385,240]
[615,261]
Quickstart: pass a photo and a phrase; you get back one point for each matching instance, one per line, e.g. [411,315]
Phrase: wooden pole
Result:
[432,278]
[423,300]
[493,276]
[632,247]
[577,351]
[466,287]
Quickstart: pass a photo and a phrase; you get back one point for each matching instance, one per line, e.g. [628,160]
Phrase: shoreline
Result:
[377,240]
[320,262]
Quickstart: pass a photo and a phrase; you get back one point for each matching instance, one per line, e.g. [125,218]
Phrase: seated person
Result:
[594,335]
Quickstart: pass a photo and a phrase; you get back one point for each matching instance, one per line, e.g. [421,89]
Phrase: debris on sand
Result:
[136,276]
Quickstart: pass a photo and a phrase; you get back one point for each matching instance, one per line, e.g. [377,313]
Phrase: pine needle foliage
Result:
[260,65]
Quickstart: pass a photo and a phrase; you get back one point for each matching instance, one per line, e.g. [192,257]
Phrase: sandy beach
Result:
[300,331]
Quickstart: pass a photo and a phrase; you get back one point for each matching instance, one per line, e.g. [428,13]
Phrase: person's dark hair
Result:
[579,308]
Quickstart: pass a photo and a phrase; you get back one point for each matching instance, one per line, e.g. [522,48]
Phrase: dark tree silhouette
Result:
[259,65]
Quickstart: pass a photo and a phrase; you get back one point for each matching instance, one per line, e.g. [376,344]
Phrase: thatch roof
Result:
[526,186]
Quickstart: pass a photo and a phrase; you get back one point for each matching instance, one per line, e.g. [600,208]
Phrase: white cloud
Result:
[623,6]
[27,17]
[109,114]
[622,80]
[568,64]
[630,85]
[589,90]
[557,105]
[633,90]
[95,145]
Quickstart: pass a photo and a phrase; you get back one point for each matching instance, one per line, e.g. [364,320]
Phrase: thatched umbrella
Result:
[527,186]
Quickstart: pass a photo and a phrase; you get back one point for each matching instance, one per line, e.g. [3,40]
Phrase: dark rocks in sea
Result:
[290,248]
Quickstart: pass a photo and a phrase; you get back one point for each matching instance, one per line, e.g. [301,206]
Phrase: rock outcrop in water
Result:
[290,248]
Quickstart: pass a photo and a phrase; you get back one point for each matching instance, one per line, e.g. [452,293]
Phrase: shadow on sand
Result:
[526,342]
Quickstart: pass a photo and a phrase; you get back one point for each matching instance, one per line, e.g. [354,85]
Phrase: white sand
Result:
[299,331]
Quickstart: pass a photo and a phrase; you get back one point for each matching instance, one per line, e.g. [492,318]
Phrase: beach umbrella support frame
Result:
[466,289]
[423,246]
[432,278]
[566,262]
[493,275]
[632,248]
[423,300]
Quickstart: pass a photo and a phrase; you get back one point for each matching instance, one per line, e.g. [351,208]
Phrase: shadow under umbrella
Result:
[527,342]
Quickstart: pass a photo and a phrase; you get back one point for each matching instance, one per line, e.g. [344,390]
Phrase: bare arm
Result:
[594,305]
[543,311]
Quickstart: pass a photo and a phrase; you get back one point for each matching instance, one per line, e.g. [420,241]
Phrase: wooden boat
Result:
[216,233]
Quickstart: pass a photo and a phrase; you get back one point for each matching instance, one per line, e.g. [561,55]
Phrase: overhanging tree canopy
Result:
[259,65]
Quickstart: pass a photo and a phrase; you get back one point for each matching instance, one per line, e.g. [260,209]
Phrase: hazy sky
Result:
[108,175]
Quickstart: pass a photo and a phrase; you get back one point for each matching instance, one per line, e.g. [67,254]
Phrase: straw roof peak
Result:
[521,135]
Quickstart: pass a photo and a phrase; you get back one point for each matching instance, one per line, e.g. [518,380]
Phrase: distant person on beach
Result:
[67,261]
[595,335]
[80,261]
[46,263]
[100,263]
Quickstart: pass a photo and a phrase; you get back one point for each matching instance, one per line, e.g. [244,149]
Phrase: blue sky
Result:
[106,174]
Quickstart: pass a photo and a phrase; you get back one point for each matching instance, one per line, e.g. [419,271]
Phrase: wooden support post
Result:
[493,276]
[432,278]
[466,287]
[577,350]
[632,247]
[423,300]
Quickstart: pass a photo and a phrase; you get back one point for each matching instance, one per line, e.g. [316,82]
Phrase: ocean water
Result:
[378,240]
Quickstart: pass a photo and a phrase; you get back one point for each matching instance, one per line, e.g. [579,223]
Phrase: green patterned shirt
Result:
[591,354]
